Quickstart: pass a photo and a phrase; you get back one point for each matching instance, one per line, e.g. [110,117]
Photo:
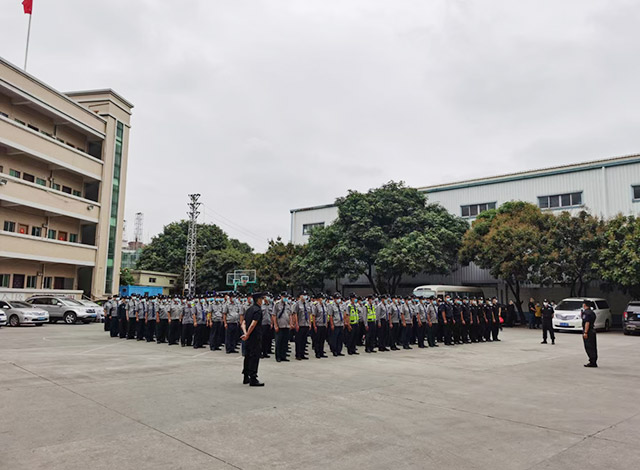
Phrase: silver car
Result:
[21,313]
[3,318]
[94,306]
[64,308]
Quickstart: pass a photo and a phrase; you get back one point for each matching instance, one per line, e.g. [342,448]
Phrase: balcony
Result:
[18,246]
[58,155]
[23,193]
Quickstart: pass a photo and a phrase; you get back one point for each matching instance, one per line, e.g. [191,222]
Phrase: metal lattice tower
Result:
[138,229]
[190,259]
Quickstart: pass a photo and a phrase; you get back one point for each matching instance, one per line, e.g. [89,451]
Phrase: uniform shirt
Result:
[266,313]
[253,313]
[109,306]
[187,314]
[175,309]
[232,309]
[140,309]
[589,316]
[394,313]
[432,313]
[547,312]
[381,311]
[216,311]
[337,314]
[163,310]
[200,312]
[303,310]
[406,312]
[466,312]
[152,310]
[131,308]
[320,313]
[422,312]
[282,311]
[362,313]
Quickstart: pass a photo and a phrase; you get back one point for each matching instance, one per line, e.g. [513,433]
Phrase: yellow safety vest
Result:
[353,315]
[371,313]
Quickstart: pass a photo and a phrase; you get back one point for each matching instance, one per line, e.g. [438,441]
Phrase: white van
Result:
[453,291]
[568,314]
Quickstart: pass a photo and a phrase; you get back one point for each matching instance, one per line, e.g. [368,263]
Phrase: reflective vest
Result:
[353,314]
[371,313]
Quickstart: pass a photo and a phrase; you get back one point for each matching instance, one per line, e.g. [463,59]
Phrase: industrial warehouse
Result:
[602,187]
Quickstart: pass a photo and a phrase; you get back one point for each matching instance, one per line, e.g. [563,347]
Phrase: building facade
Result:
[151,283]
[63,164]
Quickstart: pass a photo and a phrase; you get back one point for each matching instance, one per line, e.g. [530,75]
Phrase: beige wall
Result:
[30,268]
[141,278]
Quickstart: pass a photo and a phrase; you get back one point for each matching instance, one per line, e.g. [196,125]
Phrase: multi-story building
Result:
[63,165]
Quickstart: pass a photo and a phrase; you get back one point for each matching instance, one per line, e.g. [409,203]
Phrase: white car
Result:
[568,314]
[21,313]
[99,311]
[3,318]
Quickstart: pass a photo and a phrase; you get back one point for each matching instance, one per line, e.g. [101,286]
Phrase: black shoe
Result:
[407,347]
[422,347]
[394,348]
[256,383]
[544,342]
[298,358]
[339,354]
[304,358]
[553,341]
[246,380]
[335,354]
[591,365]
[497,339]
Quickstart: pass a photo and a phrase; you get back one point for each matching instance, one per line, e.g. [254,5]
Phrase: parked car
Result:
[94,306]
[3,318]
[631,318]
[64,308]
[21,313]
[568,312]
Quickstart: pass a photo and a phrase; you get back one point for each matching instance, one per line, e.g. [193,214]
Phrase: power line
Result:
[232,225]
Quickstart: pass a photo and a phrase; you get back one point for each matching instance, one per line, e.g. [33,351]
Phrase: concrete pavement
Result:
[73,398]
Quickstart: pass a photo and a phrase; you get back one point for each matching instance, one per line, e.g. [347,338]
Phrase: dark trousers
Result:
[131,329]
[231,337]
[352,338]
[383,333]
[267,339]
[140,330]
[455,329]
[473,330]
[114,326]
[547,326]
[216,335]
[186,335]
[420,331]
[282,342]
[446,333]
[163,326]
[361,332]
[591,347]
[151,330]
[174,331]
[431,337]
[406,335]
[495,330]
[336,339]
[414,331]
[488,327]
[370,341]
[252,360]
[321,337]
[301,341]
[107,323]
[122,325]
[394,331]
[464,331]
[198,336]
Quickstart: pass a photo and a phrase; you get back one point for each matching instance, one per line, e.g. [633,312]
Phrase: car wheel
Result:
[14,320]
[53,321]
[70,318]
[607,326]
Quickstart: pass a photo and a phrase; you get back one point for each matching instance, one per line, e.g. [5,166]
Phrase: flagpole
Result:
[26,52]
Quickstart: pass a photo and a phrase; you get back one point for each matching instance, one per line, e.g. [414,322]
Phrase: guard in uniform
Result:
[174,321]
[407,323]
[370,326]
[320,314]
[267,327]
[200,322]
[547,322]
[122,318]
[589,334]
[336,322]
[445,318]
[163,321]
[111,314]
[216,335]
[496,309]
[131,314]
[421,320]
[488,326]
[432,322]
[473,320]
[281,313]
[150,319]
[186,318]
[252,337]
[352,326]
[382,314]
[230,318]
[141,310]
[394,324]
[107,308]
[466,321]
[301,311]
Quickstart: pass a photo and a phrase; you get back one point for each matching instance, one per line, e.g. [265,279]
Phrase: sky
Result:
[263,106]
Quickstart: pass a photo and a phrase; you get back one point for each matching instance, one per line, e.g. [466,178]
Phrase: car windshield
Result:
[18,304]
[571,305]
[70,302]
[424,292]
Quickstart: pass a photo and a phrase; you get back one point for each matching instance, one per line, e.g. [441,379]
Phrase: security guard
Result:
[230,319]
[394,323]
[162,321]
[489,317]
[421,320]
[547,322]
[107,317]
[407,323]
[216,335]
[175,309]
[131,314]
[200,322]
[496,309]
[352,327]
[466,321]
[445,318]
[301,317]
[589,334]
[282,322]
[186,318]
[382,314]
[370,326]
[432,322]
[252,337]
[336,322]
[150,319]
[319,321]
[267,327]
[122,318]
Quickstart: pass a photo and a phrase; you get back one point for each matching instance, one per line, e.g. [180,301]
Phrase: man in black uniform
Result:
[589,334]
[252,337]
[547,322]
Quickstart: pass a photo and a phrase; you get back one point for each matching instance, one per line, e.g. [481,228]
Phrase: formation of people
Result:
[378,323]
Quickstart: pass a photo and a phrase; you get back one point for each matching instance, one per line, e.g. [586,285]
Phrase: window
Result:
[41,182]
[172,281]
[4,280]
[46,283]
[73,237]
[115,198]
[636,192]
[77,193]
[36,231]
[560,200]
[55,186]
[9,226]
[31,282]
[23,229]
[14,173]
[20,122]
[602,304]
[66,189]
[51,234]
[4,114]
[62,236]
[28,177]
[31,126]
[307,228]
[152,280]
[473,210]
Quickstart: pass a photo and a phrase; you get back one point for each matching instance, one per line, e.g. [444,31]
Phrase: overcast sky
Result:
[265,106]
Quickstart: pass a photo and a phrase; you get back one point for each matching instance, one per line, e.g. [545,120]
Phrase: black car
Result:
[631,318]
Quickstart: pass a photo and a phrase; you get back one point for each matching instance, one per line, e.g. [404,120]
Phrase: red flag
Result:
[28,6]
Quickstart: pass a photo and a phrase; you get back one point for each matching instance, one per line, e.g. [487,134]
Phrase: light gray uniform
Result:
[216,311]
[110,307]
[282,311]
[163,310]
[320,313]
[381,311]
[432,313]
[266,314]
[394,313]
[175,309]
[131,308]
[200,312]
[422,312]
[303,310]
[152,310]
[232,309]
[362,312]
[187,314]
[406,311]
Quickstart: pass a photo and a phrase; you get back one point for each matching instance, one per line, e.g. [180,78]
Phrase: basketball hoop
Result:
[244,280]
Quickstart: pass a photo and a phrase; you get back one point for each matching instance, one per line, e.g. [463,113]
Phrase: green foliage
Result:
[126,278]
[275,267]
[619,259]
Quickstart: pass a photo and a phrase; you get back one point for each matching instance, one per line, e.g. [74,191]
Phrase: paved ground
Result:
[73,398]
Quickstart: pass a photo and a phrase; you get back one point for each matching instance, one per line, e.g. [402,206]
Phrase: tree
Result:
[384,234]
[275,266]
[574,244]
[619,259]
[126,278]
[509,242]
[213,266]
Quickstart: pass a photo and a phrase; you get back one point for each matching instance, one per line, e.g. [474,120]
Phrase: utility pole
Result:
[138,230]
[190,261]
